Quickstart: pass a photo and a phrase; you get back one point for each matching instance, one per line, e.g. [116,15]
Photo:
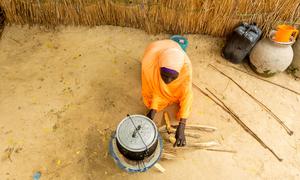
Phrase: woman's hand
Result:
[151,114]
[179,135]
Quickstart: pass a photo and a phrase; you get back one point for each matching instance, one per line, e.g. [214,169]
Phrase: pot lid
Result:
[136,133]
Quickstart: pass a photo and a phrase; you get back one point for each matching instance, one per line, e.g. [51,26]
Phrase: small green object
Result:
[182,41]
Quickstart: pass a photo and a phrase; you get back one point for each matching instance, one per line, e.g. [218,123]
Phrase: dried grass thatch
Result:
[213,17]
[2,20]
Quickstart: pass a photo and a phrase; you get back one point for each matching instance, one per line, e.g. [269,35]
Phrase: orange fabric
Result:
[158,95]
[172,58]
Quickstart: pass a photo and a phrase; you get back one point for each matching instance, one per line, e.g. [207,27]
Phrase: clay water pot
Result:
[269,57]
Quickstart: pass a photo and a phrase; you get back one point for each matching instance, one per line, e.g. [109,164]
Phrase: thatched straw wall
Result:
[215,17]
[2,20]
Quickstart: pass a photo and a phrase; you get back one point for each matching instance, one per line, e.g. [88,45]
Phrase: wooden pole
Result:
[275,84]
[239,121]
[290,132]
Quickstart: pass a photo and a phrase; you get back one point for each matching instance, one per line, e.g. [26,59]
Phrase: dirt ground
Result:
[63,92]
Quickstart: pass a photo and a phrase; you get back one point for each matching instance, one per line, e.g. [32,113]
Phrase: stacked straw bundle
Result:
[214,17]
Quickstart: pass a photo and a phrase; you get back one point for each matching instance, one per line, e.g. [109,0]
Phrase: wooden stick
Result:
[203,144]
[239,121]
[172,139]
[290,132]
[192,135]
[159,167]
[167,121]
[164,129]
[187,134]
[200,145]
[198,127]
[281,86]
[222,150]
[192,127]
[246,127]
[168,156]
[196,144]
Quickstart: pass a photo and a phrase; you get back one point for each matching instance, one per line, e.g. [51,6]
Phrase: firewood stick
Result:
[164,129]
[221,150]
[240,122]
[281,86]
[195,144]
[203,144]
[168,156]
[290,132]
[188,134]
[246,127]
[172,139]
[167,121]
[159,167]
[192,127]
[198,127]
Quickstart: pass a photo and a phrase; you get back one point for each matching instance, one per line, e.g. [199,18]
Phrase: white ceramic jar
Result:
[269,57]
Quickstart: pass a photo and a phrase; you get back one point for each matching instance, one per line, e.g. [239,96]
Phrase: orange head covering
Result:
[172,58]
[156,93]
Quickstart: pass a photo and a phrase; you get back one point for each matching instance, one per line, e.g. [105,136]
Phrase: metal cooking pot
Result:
[137,137]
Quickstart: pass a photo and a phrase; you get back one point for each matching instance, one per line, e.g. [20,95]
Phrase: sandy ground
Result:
[63,92]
